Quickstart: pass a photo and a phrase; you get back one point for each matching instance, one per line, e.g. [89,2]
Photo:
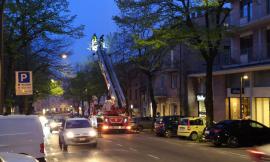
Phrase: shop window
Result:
[234,108]
[262,114]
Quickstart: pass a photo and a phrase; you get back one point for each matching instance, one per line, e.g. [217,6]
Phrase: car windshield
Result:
[77,124]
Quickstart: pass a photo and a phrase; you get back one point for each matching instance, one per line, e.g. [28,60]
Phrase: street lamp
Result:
[243,78]
[64,56]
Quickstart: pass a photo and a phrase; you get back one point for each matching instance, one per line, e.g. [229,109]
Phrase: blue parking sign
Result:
[24,77]
[24,85]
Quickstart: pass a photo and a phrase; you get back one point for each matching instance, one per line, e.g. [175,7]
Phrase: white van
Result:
[22,134]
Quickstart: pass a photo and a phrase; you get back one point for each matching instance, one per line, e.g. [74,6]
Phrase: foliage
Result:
[56,88]
[198,24]
[36,33]
[88,82]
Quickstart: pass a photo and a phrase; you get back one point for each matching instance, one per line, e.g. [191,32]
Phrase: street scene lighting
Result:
[135,80]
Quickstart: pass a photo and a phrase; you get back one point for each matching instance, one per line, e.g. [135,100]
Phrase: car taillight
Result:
[256,155]
[42,147]
[188,125]
[217,130]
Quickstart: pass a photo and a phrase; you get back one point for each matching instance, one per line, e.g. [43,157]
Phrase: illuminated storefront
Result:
[261,111]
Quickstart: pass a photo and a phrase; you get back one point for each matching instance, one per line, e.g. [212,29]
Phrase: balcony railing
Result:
[246,55]
[160,92]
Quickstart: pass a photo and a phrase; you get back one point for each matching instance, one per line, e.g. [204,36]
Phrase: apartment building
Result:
[249,55]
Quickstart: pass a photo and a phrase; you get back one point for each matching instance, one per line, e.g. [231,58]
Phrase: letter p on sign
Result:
[24,77]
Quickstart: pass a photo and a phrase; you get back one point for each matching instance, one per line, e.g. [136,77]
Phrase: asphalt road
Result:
[142,147]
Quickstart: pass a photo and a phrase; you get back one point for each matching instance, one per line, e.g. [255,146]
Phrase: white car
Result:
[260,154]
[22,134]
[12,157]
[77,131]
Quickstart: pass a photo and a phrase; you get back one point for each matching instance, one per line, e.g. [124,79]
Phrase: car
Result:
[235,133]
[167,125]
[141,123]
[12,157]
[77,131]
[55,123]
[22,134]
[191,127]
[260,154]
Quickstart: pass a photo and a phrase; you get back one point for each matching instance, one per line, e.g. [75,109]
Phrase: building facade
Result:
[249,55]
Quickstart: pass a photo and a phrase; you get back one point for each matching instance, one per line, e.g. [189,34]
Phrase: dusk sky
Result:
[96,15]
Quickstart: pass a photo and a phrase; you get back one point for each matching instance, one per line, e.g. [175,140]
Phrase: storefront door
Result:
[234,108]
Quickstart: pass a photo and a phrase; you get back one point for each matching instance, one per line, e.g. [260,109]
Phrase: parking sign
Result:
[24,84]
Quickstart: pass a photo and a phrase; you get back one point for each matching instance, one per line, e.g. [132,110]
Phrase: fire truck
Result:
[112,115]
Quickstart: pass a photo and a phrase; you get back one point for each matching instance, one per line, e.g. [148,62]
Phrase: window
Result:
[268,6]
[162,81]
[136,94]
[246,44]
[174,81]
[196,122]
[77,124]
[246,9]
[256,125]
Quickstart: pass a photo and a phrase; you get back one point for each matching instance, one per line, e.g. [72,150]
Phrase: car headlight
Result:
[70,135]
[93,133]
[53,125]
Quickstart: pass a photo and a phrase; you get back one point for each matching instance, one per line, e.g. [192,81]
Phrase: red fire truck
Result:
[113,114]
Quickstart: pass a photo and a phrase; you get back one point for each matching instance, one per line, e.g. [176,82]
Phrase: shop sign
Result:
[237,90]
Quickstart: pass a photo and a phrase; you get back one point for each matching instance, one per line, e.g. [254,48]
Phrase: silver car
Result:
[77,131]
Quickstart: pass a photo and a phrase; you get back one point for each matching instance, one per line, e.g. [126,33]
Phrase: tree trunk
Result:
[152,97]
[209,93]
[2,55]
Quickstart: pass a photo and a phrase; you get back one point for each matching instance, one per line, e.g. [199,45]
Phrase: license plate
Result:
[182,128]
[82,139]
[207,132]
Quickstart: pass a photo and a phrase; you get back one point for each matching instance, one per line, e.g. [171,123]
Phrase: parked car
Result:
[191,127]
[141,123]
[260,154]
[22,134]
[77,131]
[12,157]
[167,125]
[238,132]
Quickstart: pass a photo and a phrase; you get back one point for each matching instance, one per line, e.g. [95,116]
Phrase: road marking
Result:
[119,145]
[241,155]
[152,156]
[132,149]
[55,159]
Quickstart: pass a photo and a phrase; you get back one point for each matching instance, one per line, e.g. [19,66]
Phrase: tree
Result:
[175,23]
[146,56]
[36,34]
[88,82]
[2,6]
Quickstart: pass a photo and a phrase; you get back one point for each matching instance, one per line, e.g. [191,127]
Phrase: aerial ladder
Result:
[113,111]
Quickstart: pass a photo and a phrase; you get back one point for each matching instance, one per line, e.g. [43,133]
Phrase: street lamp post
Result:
[245,77]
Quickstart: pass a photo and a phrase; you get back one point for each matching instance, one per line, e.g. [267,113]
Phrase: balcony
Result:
[160,92]
[245,55]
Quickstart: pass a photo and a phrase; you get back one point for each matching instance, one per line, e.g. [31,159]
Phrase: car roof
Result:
[72,119]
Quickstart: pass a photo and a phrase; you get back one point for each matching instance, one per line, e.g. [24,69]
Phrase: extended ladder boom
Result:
[110,77]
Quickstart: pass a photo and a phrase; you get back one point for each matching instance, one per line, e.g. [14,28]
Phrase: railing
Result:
[160,92]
